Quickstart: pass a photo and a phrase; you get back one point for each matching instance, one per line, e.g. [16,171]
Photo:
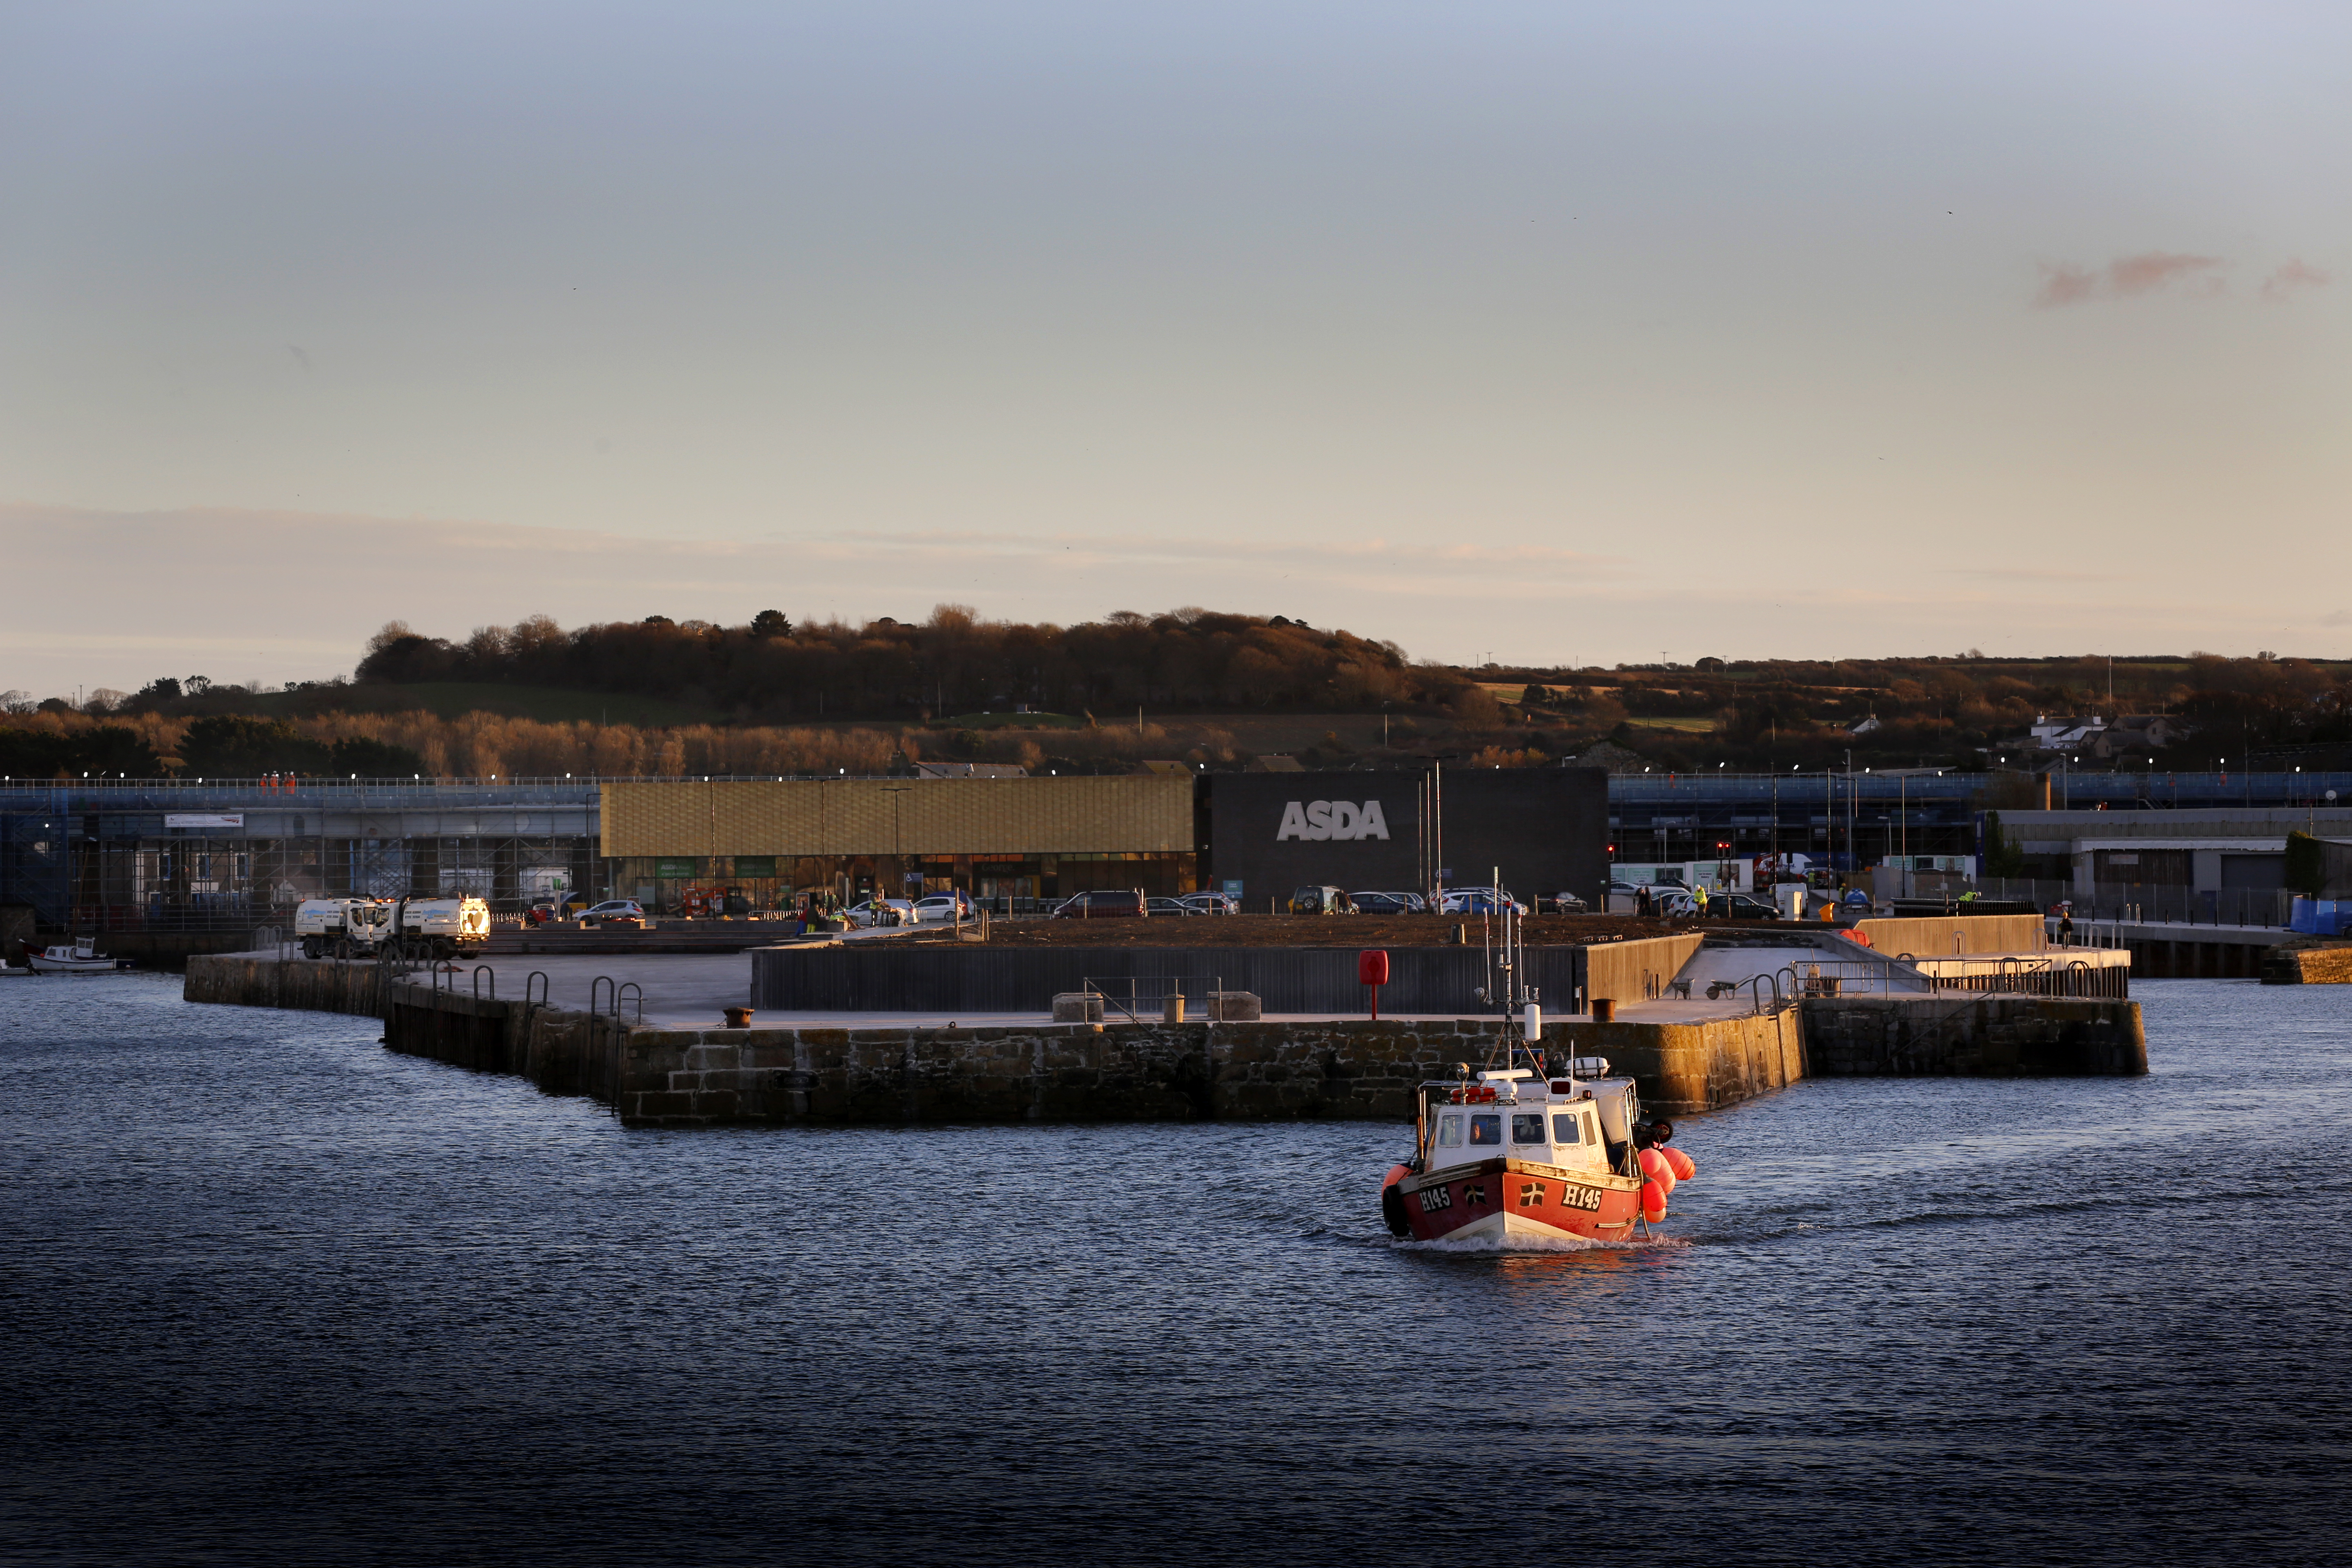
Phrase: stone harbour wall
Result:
[1996,1037]
[302,984]
[2318,964]
[1351,1069]
[1159,1072]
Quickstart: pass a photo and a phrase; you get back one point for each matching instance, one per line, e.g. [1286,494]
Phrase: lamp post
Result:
[898,857]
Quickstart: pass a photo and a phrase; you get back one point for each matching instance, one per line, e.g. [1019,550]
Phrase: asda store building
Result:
[665,842]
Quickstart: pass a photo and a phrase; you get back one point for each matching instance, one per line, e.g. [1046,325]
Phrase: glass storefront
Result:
[740,884]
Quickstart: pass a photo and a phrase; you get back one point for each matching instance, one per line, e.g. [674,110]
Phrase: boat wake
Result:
[1490,1243]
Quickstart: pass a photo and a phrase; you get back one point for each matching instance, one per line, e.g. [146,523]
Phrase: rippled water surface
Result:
[271,1292]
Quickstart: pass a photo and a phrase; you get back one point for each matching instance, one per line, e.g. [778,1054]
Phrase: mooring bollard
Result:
[1604,1010]
[739,1017]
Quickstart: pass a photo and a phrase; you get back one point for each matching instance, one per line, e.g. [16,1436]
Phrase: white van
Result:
[409,928]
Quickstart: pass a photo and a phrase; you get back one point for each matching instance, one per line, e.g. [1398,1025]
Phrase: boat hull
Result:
[1509,1202]
[43,963]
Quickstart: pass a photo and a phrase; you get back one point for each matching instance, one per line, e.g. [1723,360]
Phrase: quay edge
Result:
[1295,1069]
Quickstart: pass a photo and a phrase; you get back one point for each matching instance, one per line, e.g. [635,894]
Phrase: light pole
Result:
[898,857]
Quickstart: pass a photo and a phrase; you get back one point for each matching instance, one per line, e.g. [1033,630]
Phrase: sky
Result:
[1547,332]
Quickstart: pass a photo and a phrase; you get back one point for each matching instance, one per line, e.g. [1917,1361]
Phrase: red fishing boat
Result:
[1515,1157]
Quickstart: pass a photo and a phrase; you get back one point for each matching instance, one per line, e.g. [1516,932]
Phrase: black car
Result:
[1739,907]
[1111,903]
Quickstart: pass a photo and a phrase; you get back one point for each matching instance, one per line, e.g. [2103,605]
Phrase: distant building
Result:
[2121,856]
[2135,734]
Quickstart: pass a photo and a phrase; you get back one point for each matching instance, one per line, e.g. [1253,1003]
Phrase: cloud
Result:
[2029,575]
[2296,274]
[310,587]
[2337,618]
[253,595]
[2128,277]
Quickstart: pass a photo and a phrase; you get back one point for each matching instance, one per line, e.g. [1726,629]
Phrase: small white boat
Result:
[80,958]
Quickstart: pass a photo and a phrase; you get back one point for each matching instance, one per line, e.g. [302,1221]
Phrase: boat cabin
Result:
[1517,1114]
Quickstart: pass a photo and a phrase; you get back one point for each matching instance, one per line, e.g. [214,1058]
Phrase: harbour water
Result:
[271,1292]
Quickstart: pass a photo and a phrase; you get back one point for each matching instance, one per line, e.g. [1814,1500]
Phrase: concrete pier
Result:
[1687,1056]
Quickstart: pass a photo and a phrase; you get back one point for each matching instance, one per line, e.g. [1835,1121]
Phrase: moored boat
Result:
[76,958]
[1517,1157]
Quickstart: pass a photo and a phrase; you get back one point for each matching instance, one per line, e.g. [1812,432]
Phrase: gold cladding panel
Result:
[1129,813]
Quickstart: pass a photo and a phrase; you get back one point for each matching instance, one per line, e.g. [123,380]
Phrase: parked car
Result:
[616,909]
[1476,902]
[1678,903]
[1626,898]
[1169,907]
[1210,904]
[944,907]
[1740,906]
[1320,900]
[1563,904]
[884,912]
[1389,903]
[1110,903]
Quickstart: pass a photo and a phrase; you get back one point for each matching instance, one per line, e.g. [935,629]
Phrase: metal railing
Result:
[1136,994]
[2054,974]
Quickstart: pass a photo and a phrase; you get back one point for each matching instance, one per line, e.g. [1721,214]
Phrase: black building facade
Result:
[1546,829]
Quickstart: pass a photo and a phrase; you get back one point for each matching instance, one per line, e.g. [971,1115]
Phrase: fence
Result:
[2141,902]
[893,976]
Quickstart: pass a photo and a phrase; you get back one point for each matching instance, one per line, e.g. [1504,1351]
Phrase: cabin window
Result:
[1529,1128]
[1486,1129]
[1569,1127]
[1449,1132]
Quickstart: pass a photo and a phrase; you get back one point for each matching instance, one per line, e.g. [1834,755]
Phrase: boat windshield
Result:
[1529,1128]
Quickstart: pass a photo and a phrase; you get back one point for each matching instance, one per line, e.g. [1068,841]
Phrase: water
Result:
[271,1292]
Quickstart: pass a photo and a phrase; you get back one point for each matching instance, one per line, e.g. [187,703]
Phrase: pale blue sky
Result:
[1554,330]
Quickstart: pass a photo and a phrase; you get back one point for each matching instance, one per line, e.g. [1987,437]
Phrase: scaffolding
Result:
[161,857]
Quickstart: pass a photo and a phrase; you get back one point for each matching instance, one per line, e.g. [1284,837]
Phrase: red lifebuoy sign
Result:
[1373,970]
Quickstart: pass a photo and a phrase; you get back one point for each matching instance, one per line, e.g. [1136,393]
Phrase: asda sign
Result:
[1322,819]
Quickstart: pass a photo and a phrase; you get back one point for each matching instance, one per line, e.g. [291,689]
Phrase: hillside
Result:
[659,696]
